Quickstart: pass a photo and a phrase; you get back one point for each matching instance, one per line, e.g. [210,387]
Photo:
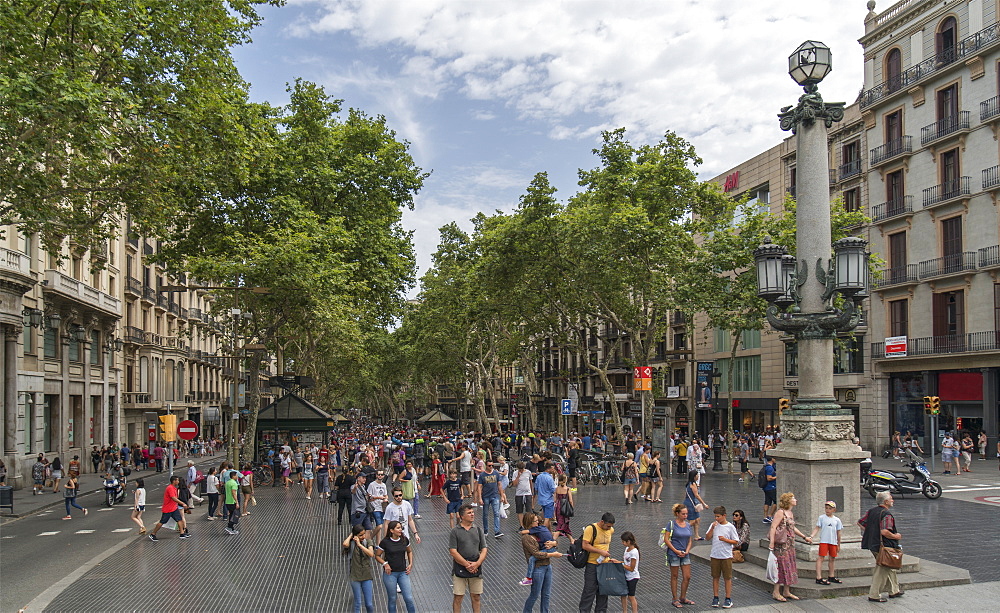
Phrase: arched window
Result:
[946,41]
[893,69]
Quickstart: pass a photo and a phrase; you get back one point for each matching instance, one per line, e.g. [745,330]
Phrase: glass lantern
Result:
[770,278]
[810,63]
[851,265]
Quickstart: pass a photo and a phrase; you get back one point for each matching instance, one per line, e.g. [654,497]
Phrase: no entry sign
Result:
[187,430]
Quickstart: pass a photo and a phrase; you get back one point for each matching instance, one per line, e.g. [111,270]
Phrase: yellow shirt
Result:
[603,540]
[643,463]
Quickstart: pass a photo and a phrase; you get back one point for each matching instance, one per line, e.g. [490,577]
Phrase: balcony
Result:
[194,314]
[967,48]
[973,342]
[183,313]
[174,308]
[81,293]
[989,257]
[954,264]
[148,294]
[990,109]
[675,391]
[162,301]
[174,342]
[133,286]
[956,124]
[147,248]
[845,171]
[946,192]
[130,399]
[899,275]
[897,207]
[16,264]
[991,179]
[890,151]
[135,335]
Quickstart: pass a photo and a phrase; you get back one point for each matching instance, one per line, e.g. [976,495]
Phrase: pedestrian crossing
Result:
[55,532]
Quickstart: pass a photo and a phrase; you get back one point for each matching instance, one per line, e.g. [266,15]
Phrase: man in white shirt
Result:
[192,475]
[401,511]
[378,494]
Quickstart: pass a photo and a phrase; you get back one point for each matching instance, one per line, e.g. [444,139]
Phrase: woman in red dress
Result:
[437,477]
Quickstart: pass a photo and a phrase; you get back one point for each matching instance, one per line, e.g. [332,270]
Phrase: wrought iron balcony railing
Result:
[949,190]
[892,208]
[953,343]
[944,127]
[891,149]
[948,265]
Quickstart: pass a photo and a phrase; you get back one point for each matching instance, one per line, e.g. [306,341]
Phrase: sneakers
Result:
[525,581]
[741,479]
[231,531]
[398,589]
[211,518]
[715,602]
[68,517]
[471,504]
[186,535]
[152,537]
[766,520]
[498,535]
[85,512]
[416,516]
[728,604]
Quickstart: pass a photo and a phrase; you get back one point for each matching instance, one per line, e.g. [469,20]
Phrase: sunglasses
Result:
[397,495]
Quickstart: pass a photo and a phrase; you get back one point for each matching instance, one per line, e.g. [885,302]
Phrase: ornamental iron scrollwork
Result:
[810,108]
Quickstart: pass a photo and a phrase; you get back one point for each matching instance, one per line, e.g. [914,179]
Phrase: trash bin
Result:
[7,497]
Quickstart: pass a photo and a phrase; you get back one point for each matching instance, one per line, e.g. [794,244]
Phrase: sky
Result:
[490,92]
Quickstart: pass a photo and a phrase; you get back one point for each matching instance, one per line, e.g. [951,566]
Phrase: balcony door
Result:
[893,69]
[949,321]
[946,41]
[951,244]
[947,107]
[950,174]
[894,130]
[895,193]
[897,257]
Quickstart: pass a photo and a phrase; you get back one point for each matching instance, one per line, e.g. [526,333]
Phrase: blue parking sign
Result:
[567,406]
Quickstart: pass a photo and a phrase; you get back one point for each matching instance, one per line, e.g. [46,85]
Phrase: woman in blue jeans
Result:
[361,551]
[70,490]
[541,576]
[395,556]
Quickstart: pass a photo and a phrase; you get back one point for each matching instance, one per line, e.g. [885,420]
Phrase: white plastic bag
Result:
[772,568]
[171,524]
[503,511]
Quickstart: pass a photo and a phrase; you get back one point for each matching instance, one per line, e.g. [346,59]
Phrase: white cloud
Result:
[706,68]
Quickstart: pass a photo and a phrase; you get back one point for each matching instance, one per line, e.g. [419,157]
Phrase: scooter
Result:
[901,483]
[114,490]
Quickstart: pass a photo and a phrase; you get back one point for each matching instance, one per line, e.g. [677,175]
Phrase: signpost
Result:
[187,430]
[895,347]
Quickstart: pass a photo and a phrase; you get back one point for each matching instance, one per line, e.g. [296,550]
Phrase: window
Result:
[723,340]
[28,338]
[945,41]
[746,374]
[897,257]
[792,176]
[852,200]
[51,342]
[895,193]
[947,105]
[951,244]
[893,69]
[95,347]
[75,350]
[949,313]
[894,130]
[996,307]
[679,376]
[848,355]
[78,269]
[850,159]
[680,341]
[750,339]
[899,318]
[791,359]
[950,176]
[26,244]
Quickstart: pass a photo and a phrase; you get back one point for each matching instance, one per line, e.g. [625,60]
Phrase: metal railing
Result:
[892,208]
[948,265]
[949,190]
[989,256]
[133,286]
[907,273]
[972,45]
[953,343]
[848,170]
[988,109]
[944,127]
[135,335]
[148,294]
[991,178]
[891,149]
[194,314]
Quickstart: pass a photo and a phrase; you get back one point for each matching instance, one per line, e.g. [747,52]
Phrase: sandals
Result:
[834,580]
[677,604]
[779,598]
[824,581]
[686,601]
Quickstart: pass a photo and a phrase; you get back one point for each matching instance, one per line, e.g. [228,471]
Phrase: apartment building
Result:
[931,114]
[96,341]
[766,361]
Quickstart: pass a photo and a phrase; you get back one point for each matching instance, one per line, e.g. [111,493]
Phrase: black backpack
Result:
[577,554]
[762,477]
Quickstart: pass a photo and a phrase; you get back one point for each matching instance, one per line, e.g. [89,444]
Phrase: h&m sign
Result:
[732,182]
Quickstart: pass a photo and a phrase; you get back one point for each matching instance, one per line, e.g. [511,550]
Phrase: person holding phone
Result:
[361,550]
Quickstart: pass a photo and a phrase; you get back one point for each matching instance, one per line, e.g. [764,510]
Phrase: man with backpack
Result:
[767,480]
[596,541]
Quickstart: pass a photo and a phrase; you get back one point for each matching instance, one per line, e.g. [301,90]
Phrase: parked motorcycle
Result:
[114,489]
[901,483]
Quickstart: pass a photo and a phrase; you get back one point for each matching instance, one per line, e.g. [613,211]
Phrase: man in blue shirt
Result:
[586,441]
[489,494]
[545,489]
[770,490]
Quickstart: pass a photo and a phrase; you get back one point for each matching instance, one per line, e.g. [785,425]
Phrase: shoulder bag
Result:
[889,557]
[462,572]
[566,507]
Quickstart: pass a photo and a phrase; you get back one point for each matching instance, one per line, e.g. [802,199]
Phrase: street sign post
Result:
[187,430]
[567,406]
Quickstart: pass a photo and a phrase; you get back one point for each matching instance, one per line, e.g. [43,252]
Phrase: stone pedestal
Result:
[817,461]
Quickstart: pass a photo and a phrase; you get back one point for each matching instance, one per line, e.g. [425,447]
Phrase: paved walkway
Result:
[287,558]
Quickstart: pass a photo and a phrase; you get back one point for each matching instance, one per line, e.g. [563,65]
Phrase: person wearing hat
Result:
[192,481]
[829,527]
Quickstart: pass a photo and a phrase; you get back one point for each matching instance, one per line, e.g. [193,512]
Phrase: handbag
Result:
[889,557]
[611,579]
[408,490]
[738,556]
[462,572]
[566,507]
[699,507]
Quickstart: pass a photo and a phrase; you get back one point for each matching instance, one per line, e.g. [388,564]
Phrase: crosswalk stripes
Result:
[85,531]
[53,533]
[123,530]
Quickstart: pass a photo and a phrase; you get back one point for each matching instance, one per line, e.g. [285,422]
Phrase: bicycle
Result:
[263,476]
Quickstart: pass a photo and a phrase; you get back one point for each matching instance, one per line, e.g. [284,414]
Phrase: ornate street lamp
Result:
[815,295]
[33,317]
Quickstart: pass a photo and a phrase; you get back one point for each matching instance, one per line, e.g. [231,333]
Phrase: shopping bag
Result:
[503,511]
[611,579]
[171,524]
[772,568]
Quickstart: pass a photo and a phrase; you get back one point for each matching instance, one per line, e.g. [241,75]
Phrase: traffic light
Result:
[168,428]
[935,405]
[783,405]
[927,405]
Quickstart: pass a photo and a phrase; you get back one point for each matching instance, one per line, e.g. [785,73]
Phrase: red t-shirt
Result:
[169,504]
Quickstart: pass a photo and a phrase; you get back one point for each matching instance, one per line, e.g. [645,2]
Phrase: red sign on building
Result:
[732,182]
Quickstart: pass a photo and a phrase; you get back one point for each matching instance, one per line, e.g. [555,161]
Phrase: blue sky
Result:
[489,92]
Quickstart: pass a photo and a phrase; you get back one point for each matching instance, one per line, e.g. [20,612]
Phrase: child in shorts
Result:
[630,560]
[543,535]
[453,490]
[829,527]
[723,536]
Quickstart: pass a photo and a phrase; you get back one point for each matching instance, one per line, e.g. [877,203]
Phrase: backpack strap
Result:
[594,537]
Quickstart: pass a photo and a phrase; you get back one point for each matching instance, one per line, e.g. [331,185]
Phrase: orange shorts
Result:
[825,549]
